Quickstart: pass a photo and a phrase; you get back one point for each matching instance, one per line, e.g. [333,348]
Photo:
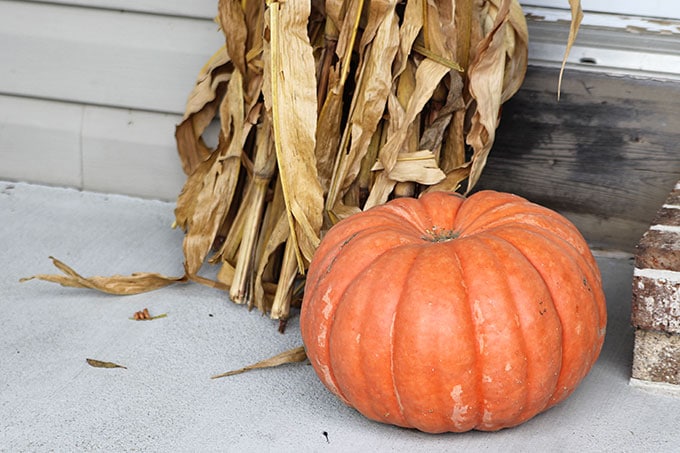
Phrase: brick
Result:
[656,298]
[668,215]
[656,357]
[659,249]
[673,199]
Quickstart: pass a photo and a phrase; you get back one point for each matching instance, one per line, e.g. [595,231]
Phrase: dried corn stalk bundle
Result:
[328,108]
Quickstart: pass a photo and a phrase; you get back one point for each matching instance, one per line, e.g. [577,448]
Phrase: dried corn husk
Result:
[327,108]
[116,284]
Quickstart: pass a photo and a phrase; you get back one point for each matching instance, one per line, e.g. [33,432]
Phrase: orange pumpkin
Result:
[447,313]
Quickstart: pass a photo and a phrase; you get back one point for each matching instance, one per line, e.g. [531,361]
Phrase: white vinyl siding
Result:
[103,57]
[205,9]
[90,96]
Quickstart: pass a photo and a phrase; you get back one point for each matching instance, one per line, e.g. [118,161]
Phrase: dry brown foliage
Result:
[327,108]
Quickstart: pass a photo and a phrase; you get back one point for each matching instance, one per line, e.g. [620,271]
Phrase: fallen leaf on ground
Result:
[100,364]
[144,315]
[116,284]
[293,355]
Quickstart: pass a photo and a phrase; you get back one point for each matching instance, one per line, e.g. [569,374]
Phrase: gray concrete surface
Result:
[51,400]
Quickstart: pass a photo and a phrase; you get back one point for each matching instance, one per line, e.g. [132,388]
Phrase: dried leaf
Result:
[271,240]
[273,234]
[364,180]
[328,132]
[117,284]
[408,32]
[490,84]
[291,356]
[434,133]
[452,182]
[144,315]
[357,109]
[420,166]
[368,104]
[576,18]
[192,150]
[209,282]
[233,23]
[517,51]
[217,70]
[424,51]
[335,13]
[141,315]
[349,13]
[201,109]
[284,288]
[428,76]
[254,20]
[253,208]
[451,154]
[186,201]
[373,18]
[218,184]
[99,364]
[439,19]
[226,274]
[290,95]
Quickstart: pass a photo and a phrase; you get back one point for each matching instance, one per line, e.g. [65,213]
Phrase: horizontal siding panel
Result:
[102,57]
[206,9]
[40,141]
[102,149]
[601,50]
[651,8]
[131,152]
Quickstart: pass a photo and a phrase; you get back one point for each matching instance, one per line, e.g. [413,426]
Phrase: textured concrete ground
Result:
[51,400]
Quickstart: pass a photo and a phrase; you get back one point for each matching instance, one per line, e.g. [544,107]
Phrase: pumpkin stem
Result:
[437,234]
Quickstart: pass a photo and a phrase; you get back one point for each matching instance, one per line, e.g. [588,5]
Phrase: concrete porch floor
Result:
[51,400]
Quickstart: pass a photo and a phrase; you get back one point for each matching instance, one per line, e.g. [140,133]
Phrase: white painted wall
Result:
[204,9]
[90,96]
[91,90]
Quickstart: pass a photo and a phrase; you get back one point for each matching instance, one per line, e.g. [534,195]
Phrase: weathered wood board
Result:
[606,154]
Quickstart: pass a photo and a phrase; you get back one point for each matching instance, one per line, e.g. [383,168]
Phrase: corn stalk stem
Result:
[405,88]
[464,18]
[243,271]
[347,58]
[284,289]
[330,41]
[265,275]
[253,207]
[342,159]
[365,176]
